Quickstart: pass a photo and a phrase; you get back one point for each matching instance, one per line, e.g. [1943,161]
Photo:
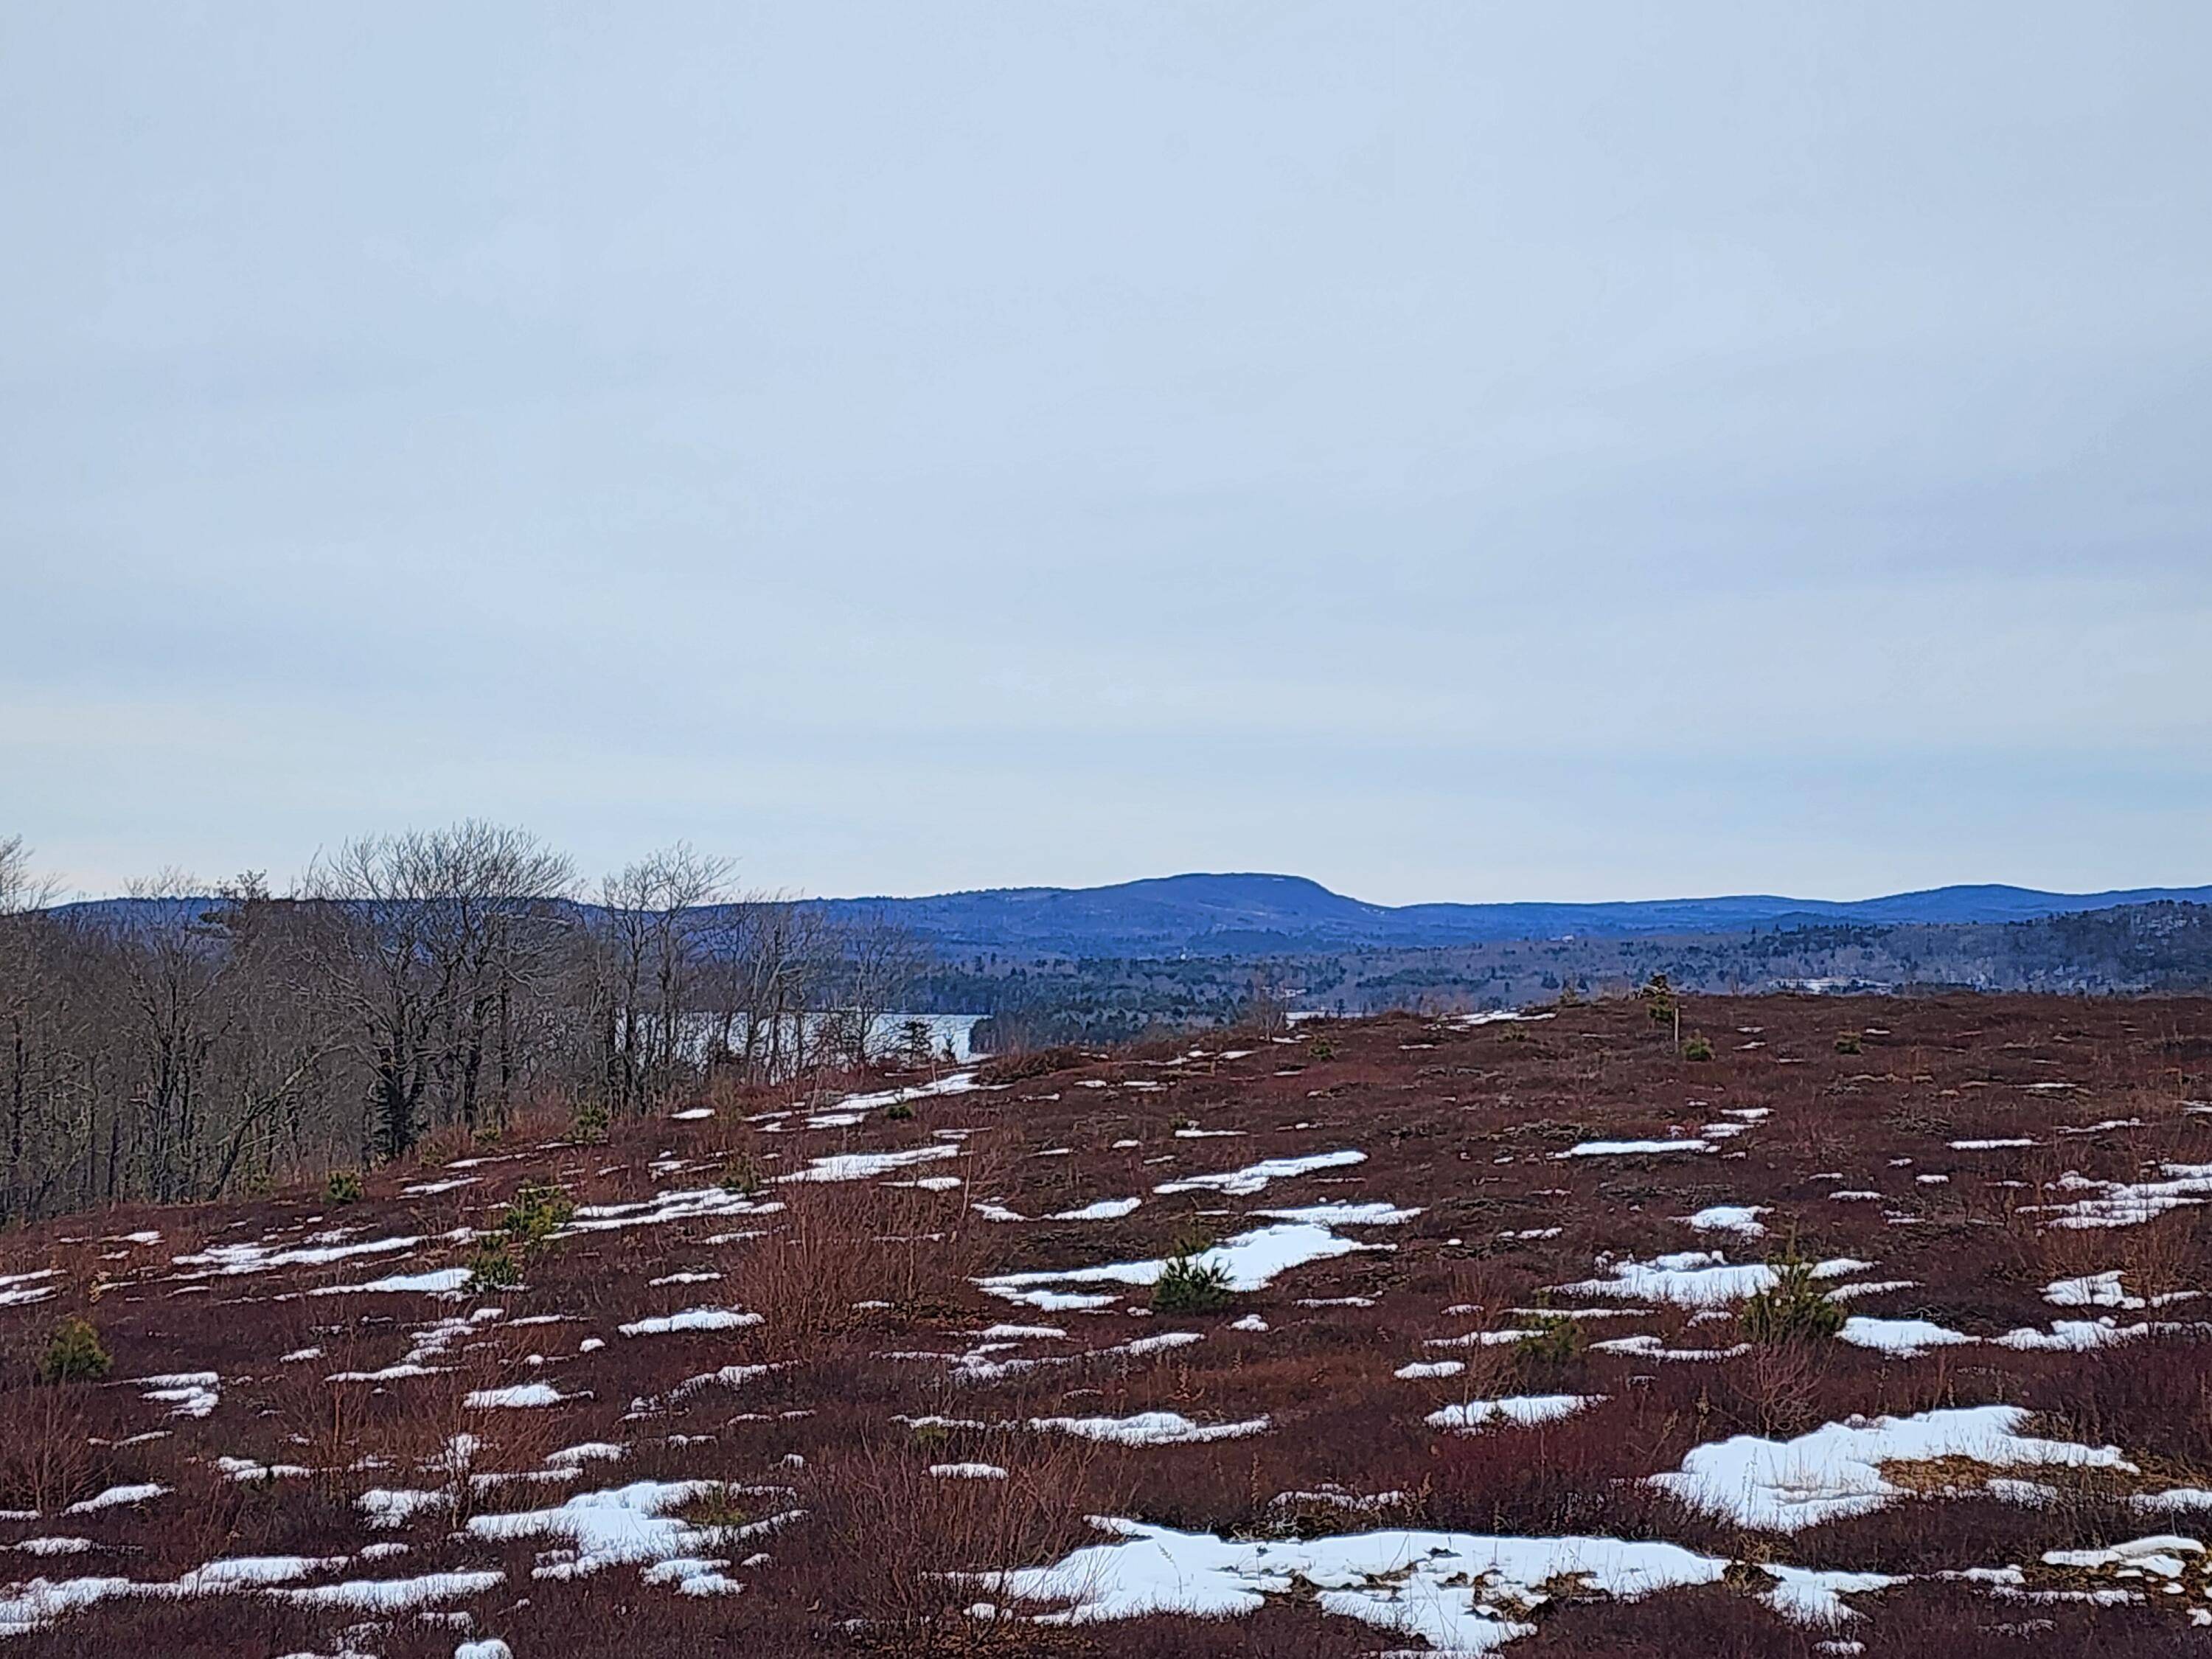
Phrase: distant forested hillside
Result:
[1260,915]
[2163,947]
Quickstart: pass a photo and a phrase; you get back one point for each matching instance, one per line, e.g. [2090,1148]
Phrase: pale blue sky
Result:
[1450,451]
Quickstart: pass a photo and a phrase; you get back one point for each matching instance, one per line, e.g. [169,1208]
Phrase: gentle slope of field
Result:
[1399,1335]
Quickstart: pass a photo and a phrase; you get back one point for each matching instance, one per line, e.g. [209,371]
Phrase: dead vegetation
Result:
[844,1418]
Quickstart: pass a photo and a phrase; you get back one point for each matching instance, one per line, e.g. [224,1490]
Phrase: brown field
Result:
[771,1472]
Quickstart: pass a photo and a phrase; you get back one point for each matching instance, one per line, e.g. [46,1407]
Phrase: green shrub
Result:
[74,1353]
[1793,1309]
[899,1112]
[590,1122]
[343,1187]
[1848,1043]
[1190,1283]
[1321,1048]
[540,1209]
[1552,1339]
[741,1175]
[1696,1048]
[492,1267]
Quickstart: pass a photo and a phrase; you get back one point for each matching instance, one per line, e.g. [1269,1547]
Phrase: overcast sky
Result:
[1472,452]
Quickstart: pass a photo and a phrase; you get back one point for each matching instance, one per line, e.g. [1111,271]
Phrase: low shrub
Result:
[741,1175]
[1552,1339]
[1913,1118]
[1696,1048]
[1793,1309]
[898,1112]
[74,1353]
[1321,1048]
[1191,1283]
[343,1187]
[47,1459]
[886,1546]
[1848,1043]
[590,1123]
[539,1210]
[846,1254]
[492,1266]
[1777,1388]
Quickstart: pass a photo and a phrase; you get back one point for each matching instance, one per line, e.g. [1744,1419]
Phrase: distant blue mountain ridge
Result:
[1259,915]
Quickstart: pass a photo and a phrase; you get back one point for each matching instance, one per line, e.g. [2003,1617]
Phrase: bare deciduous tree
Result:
[187,1043]
[427,940]
[880,960]
[648,945]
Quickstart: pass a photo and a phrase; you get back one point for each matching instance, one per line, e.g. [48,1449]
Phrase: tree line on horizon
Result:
[409,984]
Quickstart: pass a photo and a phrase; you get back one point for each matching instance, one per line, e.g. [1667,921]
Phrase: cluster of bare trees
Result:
[180,1048]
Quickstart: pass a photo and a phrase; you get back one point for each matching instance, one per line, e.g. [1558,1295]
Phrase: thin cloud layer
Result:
[1450,453]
